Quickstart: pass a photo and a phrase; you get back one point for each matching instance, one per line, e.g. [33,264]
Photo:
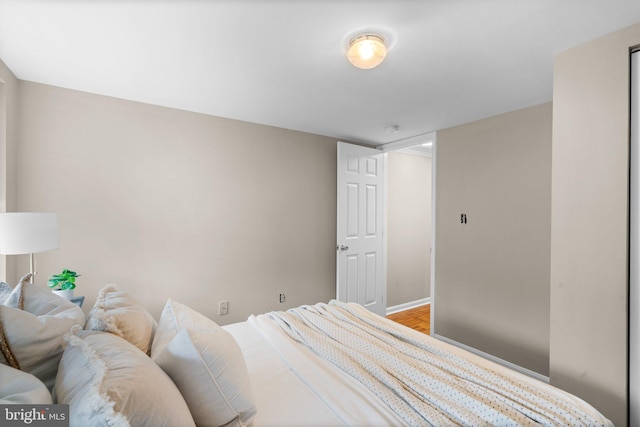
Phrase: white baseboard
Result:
[408,305]
[425,301]
[497,360]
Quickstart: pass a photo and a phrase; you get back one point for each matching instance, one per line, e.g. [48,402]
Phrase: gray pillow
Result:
[35,332]
[17,387]
[108,381]
[5,291]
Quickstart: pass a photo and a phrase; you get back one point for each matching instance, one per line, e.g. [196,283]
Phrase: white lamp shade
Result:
[28,232]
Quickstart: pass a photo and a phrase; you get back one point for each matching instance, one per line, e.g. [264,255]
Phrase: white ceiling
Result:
[282,63]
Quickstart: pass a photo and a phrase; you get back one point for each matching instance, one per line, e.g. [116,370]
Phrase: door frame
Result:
[633,389]
[407,143]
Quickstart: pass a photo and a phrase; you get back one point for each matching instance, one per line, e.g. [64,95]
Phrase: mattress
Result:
[294,386]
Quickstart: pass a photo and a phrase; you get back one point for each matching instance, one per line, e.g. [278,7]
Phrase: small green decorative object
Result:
[63,281]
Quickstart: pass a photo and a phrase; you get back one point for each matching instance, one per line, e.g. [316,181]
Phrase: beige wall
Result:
[589,222]
[167,203]
[492,274]
[8,143]
[408,228]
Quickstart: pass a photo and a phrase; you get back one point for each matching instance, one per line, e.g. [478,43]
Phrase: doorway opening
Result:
[410,216]
[366,218]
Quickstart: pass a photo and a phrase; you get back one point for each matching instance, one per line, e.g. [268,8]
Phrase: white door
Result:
[360,246]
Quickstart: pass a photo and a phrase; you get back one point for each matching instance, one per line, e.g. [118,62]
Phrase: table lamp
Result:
[28,233]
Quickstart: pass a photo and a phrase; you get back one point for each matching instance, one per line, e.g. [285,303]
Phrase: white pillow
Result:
[35,335]
[17,387]
[176,316]
[37,300]
[108,381]
[121,314]
[206,364]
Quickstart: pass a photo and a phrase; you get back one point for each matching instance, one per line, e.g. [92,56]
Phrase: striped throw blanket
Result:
[424,383]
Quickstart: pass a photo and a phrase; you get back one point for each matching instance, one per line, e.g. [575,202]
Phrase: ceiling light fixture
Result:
[391,129]
[366,51]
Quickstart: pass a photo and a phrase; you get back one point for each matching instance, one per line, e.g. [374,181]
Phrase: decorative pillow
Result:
[108,381]
[32,339]
[39,301]
[121,314]
[176,316]
[17,387]
[5,291]
[206,364]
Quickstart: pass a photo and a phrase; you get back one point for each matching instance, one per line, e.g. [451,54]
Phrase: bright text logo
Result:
[36,415]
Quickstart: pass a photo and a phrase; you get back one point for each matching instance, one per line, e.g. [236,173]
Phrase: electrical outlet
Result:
[283,297]
[223,308]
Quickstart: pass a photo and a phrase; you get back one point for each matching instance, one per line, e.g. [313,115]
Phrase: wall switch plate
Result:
[223,308]
[283,297]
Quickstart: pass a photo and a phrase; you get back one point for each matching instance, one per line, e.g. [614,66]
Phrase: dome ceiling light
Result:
[366,51]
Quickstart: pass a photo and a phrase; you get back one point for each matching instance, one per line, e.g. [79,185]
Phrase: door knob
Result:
[342,247]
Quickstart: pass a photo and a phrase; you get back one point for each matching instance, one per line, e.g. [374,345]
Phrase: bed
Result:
[434,384]
[323,365]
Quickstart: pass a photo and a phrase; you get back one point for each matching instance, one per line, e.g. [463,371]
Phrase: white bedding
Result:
[294,386]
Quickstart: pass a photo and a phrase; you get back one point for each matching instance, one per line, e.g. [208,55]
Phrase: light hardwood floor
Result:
[418,318]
